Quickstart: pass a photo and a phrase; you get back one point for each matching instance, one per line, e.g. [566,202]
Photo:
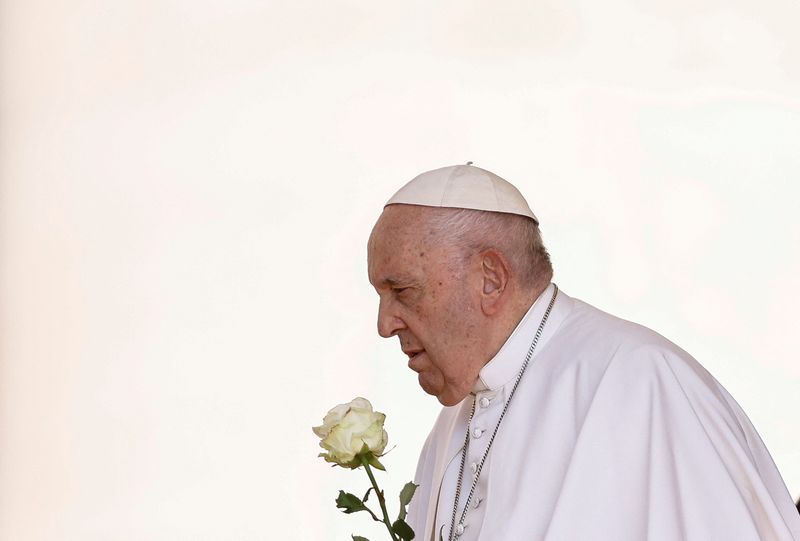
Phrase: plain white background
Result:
[187,190]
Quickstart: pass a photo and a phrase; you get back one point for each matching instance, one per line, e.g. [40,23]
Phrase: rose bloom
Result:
[347,428]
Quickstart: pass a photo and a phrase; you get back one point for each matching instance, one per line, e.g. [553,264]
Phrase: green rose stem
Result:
[380,496]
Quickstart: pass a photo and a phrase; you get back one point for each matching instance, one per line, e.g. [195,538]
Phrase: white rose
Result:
[347,428]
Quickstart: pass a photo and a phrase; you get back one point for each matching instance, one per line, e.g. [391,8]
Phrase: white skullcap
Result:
[463,187]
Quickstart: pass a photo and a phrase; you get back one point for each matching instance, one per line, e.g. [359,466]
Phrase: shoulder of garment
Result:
[666,451]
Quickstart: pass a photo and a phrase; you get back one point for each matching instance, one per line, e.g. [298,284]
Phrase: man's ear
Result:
[496,274]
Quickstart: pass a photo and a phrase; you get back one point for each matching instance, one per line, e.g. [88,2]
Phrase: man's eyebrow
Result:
[393,281]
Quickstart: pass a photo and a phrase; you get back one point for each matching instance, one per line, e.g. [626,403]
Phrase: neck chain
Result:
[456,531]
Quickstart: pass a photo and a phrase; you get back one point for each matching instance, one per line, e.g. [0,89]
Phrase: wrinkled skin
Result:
[451,316]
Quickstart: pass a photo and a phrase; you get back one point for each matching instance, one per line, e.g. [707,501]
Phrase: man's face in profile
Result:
[425,301]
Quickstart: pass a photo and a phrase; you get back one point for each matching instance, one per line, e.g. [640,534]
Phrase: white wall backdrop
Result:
[187,188]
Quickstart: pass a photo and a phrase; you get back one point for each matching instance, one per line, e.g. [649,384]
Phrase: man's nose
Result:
[388,322]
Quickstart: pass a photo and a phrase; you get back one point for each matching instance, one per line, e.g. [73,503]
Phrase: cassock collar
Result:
[505,365]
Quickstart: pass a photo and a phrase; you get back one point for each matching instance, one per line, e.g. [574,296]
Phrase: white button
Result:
[477,433]
[478,502]
[459,529]
[485,402]
[474,467]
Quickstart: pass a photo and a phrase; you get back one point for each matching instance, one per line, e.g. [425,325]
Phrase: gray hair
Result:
[517,237]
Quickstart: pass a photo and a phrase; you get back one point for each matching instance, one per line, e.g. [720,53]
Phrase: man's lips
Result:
[413,358]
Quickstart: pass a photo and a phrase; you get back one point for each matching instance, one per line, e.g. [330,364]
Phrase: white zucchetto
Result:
[464,187]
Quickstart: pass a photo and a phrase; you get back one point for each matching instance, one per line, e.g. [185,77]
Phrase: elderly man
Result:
[561,422]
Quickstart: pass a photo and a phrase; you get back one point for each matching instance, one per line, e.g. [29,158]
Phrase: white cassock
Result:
[614,434]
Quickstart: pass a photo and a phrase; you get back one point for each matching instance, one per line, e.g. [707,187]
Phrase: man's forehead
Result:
[394,244]
[400,224]
[401,214]
[397,248]
[391,270]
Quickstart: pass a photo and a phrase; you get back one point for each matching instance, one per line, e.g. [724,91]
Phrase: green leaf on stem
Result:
[402,529]
[359,538]
[349,503]
[405,498]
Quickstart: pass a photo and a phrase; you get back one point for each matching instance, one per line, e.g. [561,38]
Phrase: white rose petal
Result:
[347,428]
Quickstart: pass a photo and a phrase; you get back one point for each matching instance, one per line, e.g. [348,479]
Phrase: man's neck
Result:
[517,308]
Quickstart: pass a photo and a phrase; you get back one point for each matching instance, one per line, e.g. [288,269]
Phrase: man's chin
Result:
[449,397]
[448,401]
[446,396]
